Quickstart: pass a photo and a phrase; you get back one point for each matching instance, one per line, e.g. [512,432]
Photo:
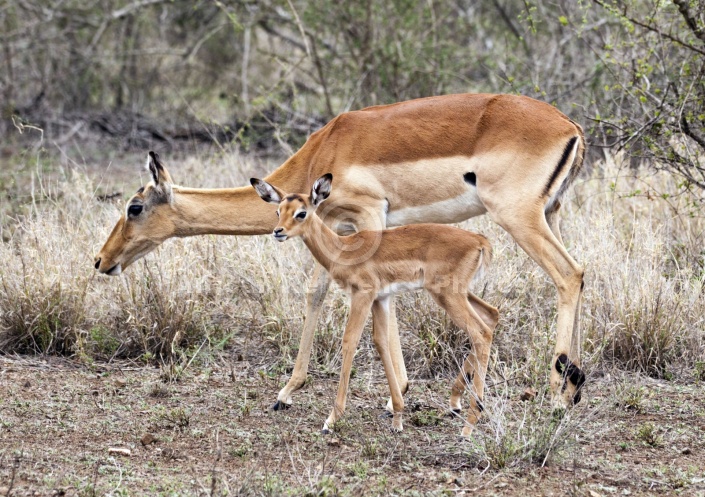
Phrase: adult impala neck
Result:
[227,211]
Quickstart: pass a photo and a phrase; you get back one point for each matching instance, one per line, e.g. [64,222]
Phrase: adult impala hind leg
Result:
[490,316]
[465,317]
[318,287]
[571,370]
[532,232]
[360,304]
[380,336]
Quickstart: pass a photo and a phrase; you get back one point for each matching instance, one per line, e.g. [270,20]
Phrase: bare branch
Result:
[651,28]
[690,20]
[117,14]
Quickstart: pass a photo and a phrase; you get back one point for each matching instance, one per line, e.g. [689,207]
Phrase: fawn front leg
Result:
[360,304]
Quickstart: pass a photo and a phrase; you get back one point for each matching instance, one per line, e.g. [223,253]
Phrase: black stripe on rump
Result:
[561,163]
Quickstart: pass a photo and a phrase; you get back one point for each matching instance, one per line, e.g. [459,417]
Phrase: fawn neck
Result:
[324,243]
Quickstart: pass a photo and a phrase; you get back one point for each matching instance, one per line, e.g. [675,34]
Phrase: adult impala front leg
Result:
[317,290]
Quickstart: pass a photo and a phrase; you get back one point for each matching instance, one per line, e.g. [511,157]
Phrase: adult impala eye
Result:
[301,216]
[134,210]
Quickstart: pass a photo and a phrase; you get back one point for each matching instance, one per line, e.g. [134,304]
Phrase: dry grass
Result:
[643,310]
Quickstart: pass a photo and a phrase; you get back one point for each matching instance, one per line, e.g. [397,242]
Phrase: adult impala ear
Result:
[321,189]
[268,193]
[160,176]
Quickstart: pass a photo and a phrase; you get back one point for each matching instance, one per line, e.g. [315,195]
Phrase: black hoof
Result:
[386,414]
[453,413]
[326,431]
[280,406]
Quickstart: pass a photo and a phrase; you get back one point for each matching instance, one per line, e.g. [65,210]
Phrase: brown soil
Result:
[210,432]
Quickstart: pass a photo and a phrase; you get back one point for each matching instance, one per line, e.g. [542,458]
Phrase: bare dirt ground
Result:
[209,432]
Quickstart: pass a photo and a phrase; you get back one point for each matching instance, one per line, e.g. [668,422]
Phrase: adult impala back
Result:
[438,159]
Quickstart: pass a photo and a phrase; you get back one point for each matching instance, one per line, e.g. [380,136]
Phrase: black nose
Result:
[278,230]
[97,263]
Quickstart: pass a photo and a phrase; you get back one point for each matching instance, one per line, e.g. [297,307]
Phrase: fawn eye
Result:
[134,210]
[301,216]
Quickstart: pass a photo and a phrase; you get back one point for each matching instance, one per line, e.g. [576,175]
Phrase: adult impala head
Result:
[144,225]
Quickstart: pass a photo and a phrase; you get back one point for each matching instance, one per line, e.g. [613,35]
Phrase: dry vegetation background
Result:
[225,90]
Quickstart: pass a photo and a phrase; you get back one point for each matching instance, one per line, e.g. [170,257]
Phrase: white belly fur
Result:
[452,210]
[437,184]
[400,287]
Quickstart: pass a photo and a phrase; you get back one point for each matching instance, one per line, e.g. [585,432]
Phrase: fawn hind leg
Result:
[465,317]
[490,316]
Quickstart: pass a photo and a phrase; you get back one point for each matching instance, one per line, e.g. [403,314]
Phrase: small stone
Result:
[120,383]
[686,451]
[119,451]
[147,439]
[334,442]
[27,384]
[251,394]
[459,482]
[528,395]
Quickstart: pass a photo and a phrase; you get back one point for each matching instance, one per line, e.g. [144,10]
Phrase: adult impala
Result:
[432,160]
[372,266]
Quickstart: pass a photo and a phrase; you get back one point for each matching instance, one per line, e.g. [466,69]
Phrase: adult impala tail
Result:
[433,160]
[440,259]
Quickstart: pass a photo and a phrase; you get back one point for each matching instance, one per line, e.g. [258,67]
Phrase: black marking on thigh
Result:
[406,389]
[480,407]
[582,285]
[470,178]
[469,377]
[561,164]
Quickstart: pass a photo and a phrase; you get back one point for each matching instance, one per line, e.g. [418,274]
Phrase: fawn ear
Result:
[269,193]
[321,189]
[160,175]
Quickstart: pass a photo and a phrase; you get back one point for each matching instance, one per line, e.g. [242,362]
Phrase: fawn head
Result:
[295,209]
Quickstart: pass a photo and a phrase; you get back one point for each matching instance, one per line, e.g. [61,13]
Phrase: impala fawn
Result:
[373,265]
